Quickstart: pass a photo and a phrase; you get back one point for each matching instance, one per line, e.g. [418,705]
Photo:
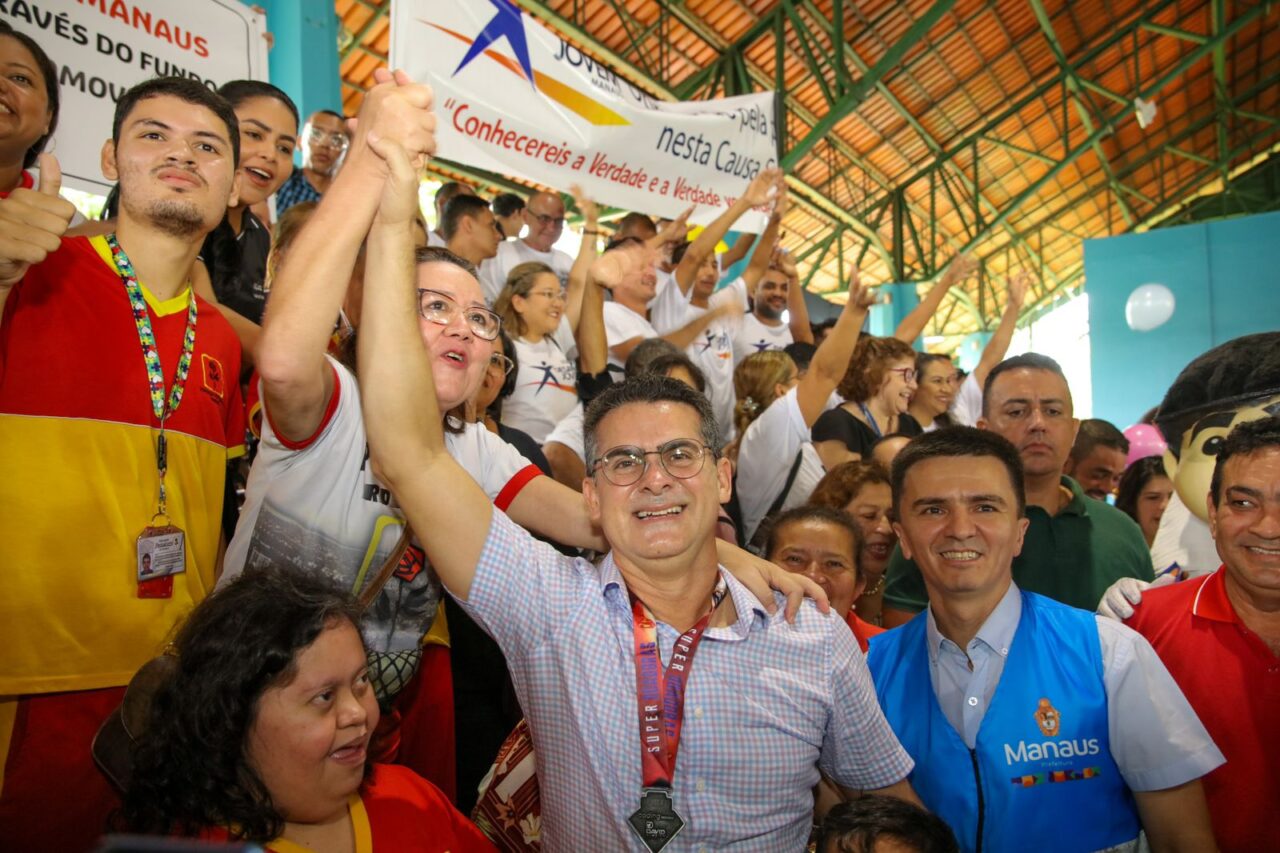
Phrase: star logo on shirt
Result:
[549,378]
[761,345]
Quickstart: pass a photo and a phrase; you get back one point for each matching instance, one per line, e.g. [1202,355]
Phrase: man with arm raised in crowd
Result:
[748,744]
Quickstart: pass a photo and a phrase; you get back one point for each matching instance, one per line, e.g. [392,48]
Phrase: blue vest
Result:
[1041,776]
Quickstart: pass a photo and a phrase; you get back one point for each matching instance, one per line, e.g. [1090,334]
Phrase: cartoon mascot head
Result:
[1236,382]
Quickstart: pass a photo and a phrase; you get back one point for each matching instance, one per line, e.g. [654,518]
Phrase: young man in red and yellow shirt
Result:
[95,335]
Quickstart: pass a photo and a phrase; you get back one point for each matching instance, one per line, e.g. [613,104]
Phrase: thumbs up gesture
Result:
[32,223]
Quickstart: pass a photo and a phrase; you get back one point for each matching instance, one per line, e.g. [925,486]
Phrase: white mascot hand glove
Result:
[1119,599]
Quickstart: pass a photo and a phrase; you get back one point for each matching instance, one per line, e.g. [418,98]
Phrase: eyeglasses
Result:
[330,139]
[553,295]
[500,360]
[557,221]
[908,374]
[440,308]
[682,458]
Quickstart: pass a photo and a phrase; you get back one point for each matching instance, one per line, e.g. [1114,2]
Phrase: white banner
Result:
[515,99]
[103,47]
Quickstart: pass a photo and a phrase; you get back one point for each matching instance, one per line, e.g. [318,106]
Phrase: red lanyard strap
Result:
[659,694]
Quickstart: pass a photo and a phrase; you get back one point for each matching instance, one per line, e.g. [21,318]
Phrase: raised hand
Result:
[781,201]
[1018,286]
[32,222]
[861,296]
[400,109]
[959,269]
[677,230]
[784,261]
[614,265]
[763,187]
[586,206]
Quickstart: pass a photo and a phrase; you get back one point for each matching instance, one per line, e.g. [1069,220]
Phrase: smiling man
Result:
[1035,726]
[119,407]
[1220,637]
[658,649]
[544,223]
[1075,547]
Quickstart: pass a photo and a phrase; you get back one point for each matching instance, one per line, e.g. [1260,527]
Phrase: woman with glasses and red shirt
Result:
[877,389]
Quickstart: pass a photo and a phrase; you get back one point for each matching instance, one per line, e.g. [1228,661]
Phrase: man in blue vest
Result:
[1087,740]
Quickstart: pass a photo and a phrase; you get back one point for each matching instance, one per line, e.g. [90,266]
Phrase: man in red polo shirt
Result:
[1219,635]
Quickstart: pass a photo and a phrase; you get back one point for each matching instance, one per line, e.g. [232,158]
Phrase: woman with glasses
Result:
[545,388]
[877,388]
[324,142]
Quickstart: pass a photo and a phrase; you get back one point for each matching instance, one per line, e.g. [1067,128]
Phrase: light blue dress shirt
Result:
[767,706]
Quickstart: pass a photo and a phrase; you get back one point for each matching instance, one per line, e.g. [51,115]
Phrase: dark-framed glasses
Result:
[908,374]
[682,458]
[440,308]
[501,361]
[557,221]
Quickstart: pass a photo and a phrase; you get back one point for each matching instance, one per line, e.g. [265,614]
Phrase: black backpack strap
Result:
[786,488]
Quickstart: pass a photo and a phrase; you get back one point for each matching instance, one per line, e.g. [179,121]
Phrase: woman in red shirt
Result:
[261,733]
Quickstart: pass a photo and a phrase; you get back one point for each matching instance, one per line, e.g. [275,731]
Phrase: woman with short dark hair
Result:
[261,731]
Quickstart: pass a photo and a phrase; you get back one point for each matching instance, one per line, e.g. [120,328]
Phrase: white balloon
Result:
[1150,306]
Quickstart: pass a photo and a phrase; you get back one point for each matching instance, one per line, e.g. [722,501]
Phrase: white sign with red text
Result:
[103,47]
[514,98]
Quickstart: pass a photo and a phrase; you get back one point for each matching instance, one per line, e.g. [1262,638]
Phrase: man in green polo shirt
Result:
[1075,546]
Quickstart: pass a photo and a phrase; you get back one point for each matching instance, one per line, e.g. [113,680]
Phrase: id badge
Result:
[161,554]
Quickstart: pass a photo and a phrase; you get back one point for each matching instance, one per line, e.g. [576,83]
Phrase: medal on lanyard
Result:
[661,709]
[161,546]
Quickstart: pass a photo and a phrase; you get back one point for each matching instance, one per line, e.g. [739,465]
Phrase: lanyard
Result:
[660,695]
[871,421]
[151,355]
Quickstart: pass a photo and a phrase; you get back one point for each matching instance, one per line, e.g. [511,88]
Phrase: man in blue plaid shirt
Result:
[655,651]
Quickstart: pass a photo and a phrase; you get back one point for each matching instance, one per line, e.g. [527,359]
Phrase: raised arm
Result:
[759,191]
[308,291]
[403,421]
[993,352]
[763,253]
[677,230]
[32,223]
[831,359]
[797,310]
[587,251]
[960,268]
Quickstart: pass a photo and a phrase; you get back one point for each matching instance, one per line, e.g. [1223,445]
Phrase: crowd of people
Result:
[328,528]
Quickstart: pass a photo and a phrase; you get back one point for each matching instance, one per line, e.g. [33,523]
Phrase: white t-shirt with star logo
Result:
[755,337]
[546,388]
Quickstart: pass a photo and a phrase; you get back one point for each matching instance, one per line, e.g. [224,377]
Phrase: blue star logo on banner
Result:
[506,23]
